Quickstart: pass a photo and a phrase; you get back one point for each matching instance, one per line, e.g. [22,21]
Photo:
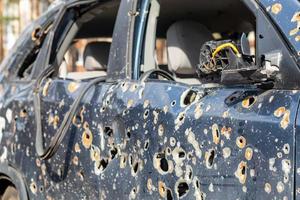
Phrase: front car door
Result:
[220,142]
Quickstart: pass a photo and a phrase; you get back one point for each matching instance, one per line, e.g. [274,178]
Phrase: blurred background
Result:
[15,15]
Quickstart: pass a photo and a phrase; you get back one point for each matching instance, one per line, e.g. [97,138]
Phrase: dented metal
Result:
[154,140]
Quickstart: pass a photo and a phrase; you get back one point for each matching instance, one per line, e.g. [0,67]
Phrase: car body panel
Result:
[151,140]
[285,14]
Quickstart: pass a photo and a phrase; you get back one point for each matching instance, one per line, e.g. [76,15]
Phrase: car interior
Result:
[86,55]
[186,25]
[174,40]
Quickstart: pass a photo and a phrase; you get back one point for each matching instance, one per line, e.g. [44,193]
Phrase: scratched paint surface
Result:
[286,14]
[156,140]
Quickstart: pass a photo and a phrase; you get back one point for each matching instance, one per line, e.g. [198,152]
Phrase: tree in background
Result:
[15,15]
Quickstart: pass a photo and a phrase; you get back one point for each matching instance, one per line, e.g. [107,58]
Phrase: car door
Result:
[16,107]
[33,112]
[204,142]
[231,143]
[74,118]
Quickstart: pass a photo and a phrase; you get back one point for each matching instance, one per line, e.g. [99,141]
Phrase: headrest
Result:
[96,56]
[184,41]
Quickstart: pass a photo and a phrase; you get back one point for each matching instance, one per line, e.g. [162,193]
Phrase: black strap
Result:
[47,153]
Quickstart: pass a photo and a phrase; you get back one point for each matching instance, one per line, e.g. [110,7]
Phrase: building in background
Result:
[15,15]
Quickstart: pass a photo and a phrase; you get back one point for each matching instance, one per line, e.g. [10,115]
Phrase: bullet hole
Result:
[268,188]
[23,113]
[285,120]
[286,178]
[191,138]
[161,130]
[113,153]
[179,120]
[146,145]
[164,164]
[149,185]
[282,111]
[86,125]
[41,189]
[241,172]
[248,153]
[226,131]
[198,194]
[123,161]
[173,103]
[210,156]
[108,131]
[87,138]
[280,187]
[128,134]
[189,174]
[146,114]
[155,116]
[77,148]
[279,112]
[286,148]
[276,8]
[162,189]
[73,86]
[75,160]
[53,120]
[187,98]
[226,152]
[125,112]
[133,87]
[78,118]
[286,166]
[196,183]
[95,153]
[181,188]
[181,117]
[248,102]
[241,142]
[130,160]
[107,102]
[130,103]
[124,86]
[135,168]
[172,141]
[168,151]
[102,109]
[215,134]
[225,114]
[179,155]
[33,187]
[261,36]
[146,104]
[169,194]
[133,193]
[100,166]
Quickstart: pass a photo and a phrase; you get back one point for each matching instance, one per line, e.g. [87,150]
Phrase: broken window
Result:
[181,31]
[83,46]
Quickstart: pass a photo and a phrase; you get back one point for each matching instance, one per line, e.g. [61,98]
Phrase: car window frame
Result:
[259,13]
[117,70]
[13,62]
